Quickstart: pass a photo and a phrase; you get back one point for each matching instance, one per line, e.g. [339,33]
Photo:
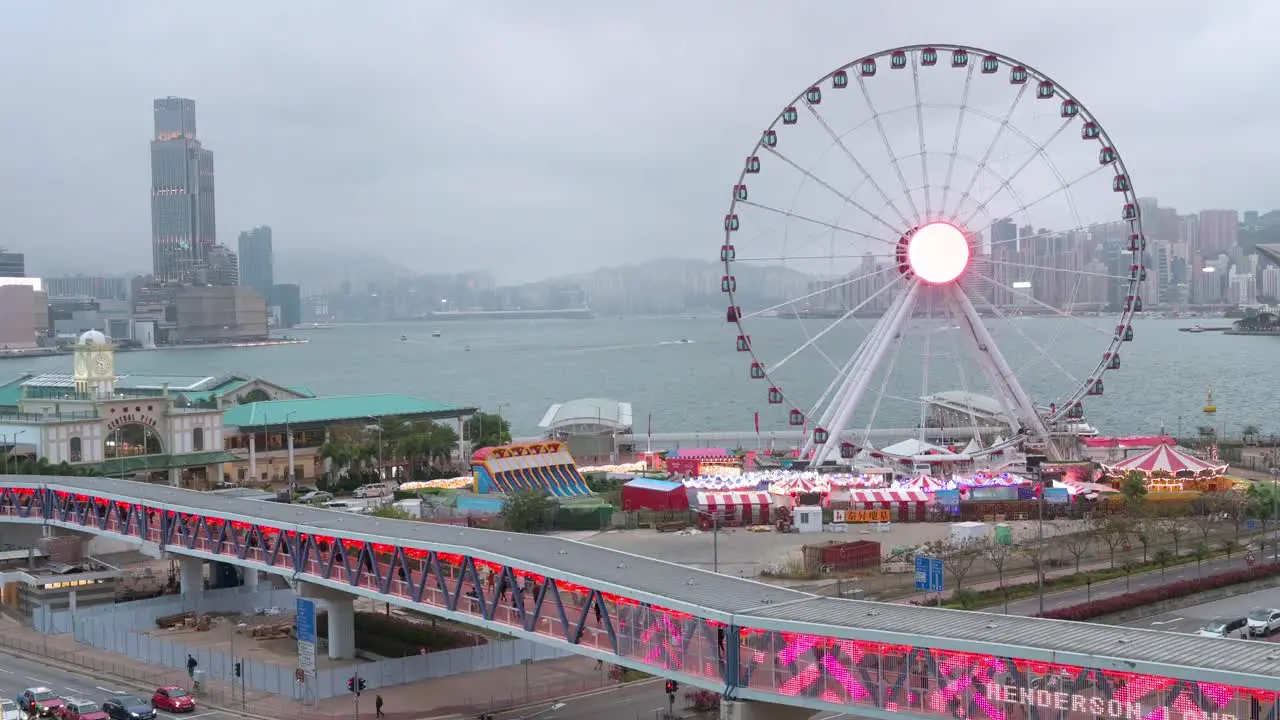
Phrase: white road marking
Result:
[74,691]
[6,672]
[1165,622]
[108,691]
[36,679]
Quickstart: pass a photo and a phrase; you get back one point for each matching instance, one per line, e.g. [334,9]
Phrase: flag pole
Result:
[649,442]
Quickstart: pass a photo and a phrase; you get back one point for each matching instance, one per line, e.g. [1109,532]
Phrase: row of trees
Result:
[1164,532]
[423,447]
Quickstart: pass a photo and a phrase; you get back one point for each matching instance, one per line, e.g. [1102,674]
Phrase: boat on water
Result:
[1209,406]
[314,326]
[404,338]
[436,333]
[1196,329]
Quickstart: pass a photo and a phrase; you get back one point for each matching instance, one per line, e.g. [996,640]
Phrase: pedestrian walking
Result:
[191,665]
[377,706]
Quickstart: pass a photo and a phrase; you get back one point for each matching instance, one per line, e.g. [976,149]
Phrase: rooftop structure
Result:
[324,410]
[587,416]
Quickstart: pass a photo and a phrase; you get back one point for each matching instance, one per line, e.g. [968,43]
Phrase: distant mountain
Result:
[673,285]
[326,271]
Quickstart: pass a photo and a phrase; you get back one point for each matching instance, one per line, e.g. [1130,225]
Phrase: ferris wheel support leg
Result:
[865,351]
[1003,378]
[860,380]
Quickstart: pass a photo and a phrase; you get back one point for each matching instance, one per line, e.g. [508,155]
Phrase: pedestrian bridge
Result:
[748,640]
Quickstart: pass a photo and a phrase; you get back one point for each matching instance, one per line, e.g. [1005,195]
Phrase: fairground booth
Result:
[1167,469]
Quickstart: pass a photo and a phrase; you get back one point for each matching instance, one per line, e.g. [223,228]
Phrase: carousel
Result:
[1168,468]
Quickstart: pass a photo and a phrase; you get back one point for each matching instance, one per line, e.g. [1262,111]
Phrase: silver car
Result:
[1263,621]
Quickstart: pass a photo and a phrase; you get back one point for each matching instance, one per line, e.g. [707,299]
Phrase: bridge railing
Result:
[858,676]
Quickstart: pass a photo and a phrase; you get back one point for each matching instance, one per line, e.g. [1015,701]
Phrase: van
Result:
[373,490]
[342,505]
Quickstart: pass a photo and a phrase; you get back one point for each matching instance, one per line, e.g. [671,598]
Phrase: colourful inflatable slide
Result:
[545,466]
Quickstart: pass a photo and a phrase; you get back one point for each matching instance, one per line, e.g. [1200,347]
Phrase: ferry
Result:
[314,326]
[436,333]
[1196,329]
[404,338]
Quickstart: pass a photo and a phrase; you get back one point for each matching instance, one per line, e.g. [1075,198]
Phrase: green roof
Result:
[303,390]
[135,463]
[11,391]
[335,409]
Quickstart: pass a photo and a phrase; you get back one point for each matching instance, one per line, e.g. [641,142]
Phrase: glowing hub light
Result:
[938,253]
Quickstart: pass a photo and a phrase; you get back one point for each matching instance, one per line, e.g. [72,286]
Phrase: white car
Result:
[1263,621]
[9,711]
[373,490]
[315,497]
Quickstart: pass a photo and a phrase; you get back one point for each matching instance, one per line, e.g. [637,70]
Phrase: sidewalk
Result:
[470,693]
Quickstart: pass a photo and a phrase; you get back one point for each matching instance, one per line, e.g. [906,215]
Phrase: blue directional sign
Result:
[929,574]
[306,621]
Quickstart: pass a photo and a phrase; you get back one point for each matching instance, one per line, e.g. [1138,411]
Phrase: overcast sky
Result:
[537,138]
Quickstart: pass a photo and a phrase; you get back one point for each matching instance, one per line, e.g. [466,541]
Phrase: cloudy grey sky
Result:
[534,138]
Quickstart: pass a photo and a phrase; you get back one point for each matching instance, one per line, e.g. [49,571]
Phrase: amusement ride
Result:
[936,238]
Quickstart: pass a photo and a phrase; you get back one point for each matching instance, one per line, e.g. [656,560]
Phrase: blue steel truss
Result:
[743,661]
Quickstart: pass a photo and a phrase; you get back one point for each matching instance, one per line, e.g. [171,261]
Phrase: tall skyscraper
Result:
[183,225]
[256,261]
[1219,231]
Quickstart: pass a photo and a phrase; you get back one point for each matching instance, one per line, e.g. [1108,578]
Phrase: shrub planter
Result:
[1153,601]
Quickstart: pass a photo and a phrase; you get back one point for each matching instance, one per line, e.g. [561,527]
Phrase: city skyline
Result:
[344,148]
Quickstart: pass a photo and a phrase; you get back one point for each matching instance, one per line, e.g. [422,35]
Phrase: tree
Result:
[1249,434]
[1113,532]
[1037,557]
[1200,551]
[425,440]
[484,430]
[1206,511]
[999,554]
[1171,527]
[957,558]
[1164,557]
[25,465]
[253,396]
[1133,487]
[529,511]
[1077,544]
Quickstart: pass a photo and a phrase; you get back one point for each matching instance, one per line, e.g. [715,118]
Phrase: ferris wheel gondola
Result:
[890,231]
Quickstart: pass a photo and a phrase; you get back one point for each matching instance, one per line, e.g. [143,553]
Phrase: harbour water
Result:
[522,367]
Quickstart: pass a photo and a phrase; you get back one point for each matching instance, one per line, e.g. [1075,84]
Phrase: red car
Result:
[82,710]
[173,699]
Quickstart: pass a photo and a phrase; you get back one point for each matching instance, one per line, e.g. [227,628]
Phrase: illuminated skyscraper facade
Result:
[183,225]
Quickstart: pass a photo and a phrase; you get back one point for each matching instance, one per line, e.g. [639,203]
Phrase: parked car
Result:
[128,707]
[40,701]
[82,710]
[9,710]
[315,497]
[173,699]
[1224,627]
[373,490]
[1263,621]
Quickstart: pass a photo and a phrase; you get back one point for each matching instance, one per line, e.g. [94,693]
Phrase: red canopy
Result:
[1167,460]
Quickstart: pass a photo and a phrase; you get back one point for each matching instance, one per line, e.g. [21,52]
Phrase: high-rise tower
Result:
[183,228]
[257,261]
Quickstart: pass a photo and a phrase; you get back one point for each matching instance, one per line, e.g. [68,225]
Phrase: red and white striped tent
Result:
[736,508]
[922,482]
[1166,460]
[873,498]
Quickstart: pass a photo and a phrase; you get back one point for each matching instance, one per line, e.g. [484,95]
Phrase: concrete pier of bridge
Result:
[250,578]
[341,612]
[192,577]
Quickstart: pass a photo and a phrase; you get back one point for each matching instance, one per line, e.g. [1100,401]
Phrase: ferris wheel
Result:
[932,248]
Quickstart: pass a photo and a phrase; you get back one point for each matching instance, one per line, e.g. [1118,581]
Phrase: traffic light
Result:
[359,685]
[238,668]
[351,684]
[672,687]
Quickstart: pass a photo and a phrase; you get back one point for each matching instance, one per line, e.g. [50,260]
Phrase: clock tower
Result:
[95,373]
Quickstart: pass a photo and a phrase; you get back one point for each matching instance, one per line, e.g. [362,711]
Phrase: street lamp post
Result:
[1040,548]
[1275,516]
[377,427]
[288,431]
[14,447]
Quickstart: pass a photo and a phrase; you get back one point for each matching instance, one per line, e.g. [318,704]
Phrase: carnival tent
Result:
[736,508]
[1166,460]
[745,481]
[799,484]
[913,447]
[972,447]
[923,483]
[871,497]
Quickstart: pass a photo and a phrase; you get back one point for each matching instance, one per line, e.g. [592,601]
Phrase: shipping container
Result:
[650,494]
[842,557]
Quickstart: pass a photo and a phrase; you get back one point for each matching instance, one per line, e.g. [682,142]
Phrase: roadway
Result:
[636,701]
[19,673]
[1079,596]
[1191,619]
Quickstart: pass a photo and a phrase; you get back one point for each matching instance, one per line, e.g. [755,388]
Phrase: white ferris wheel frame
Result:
[838,404]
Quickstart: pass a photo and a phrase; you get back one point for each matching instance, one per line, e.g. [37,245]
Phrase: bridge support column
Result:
[340,609]
[751,710]
[250,579]
[192,574]
[253,458]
